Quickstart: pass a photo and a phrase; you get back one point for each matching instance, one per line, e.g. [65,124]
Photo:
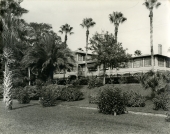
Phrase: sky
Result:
[134,34]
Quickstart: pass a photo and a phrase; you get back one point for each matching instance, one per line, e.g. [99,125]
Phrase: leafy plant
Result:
[168,117]
[94,98]
[134,99]
[71,94]
[49,95]
[111,101]
[161,101]
[22,95]
[95,82]
[83,81]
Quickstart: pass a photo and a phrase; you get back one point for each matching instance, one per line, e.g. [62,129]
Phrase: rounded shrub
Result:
[111,101]
[22,95]
[161,101]
[49,95]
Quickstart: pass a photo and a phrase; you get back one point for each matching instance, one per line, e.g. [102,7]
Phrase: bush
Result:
[168,117]
[111,101]
[1,91]
[71,94]
[22,95]
[94,98]
[161,101]
[134,99]
[83,81]
[75,82]
[49,95]
[95,82]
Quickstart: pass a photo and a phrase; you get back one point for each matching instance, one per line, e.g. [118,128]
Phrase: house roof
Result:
[146,55]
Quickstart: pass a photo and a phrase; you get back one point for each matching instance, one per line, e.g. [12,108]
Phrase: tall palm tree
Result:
[137,53]
[150,4]
[116,18]
[67,30]
[87,23]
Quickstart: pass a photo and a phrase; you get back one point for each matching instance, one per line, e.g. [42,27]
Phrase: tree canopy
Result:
[107,52]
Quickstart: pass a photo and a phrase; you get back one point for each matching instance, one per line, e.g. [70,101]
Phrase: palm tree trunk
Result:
[104,72]
[7,88]
[87,34]
[29,76]
[151,38]
[64,61]
[116,31]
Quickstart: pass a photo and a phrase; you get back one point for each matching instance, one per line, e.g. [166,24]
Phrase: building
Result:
[137,64]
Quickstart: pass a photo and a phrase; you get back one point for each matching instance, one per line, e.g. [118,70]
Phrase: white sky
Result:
[133,34]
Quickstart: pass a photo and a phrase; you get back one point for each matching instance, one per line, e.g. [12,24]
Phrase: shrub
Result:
[49,94]
[22,95]
[75,82]
[1,91]
[111,101]
[71,94]
[95,82]
[134,99]
[168,117]
[83,81]
[94,98]
[161,101]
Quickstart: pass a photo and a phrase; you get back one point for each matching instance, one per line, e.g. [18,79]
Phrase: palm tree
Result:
[87,23]
[67,30]
[47,55]
[137,53]
[116,18]
[150,4]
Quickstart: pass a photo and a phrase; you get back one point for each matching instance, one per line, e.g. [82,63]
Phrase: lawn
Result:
[34,119]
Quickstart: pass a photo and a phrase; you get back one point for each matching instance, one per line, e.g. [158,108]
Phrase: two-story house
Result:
[137,64]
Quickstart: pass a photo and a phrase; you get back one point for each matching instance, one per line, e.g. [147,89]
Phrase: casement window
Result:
[137,63]
[147,61]
[161,61]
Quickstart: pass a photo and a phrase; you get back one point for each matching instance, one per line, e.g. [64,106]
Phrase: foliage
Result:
[94,98]
[111,101]
[75,82]
[116,18]
[168,117]
[49,94]
[1,91]
[67,30]
[137,53]
[71,94]
[134,99]
[22,95]
[95,82]
[161,101]
[107,52]
[156,81]
[83,81]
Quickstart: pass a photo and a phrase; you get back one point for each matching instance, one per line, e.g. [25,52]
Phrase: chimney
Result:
[159,49]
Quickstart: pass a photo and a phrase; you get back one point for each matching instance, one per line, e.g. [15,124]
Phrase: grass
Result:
[34,119]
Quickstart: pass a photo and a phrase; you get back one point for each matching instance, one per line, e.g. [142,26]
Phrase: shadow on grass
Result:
[24,106]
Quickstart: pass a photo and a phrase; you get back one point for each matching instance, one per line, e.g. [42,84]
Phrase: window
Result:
[79,57]
[161,61]
[167,62]
[137,63]
[147,61]
[130,64]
